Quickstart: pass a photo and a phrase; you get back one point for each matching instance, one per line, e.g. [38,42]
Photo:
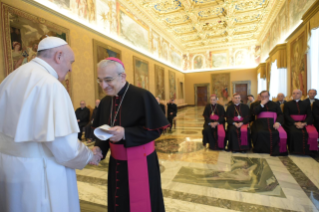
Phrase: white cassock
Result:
[39,149]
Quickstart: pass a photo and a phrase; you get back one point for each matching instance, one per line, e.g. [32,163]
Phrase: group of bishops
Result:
[264,125]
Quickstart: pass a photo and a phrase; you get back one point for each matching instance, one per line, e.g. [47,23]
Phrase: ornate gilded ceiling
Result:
[207,24]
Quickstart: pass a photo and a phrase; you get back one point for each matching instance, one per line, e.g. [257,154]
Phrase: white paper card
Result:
[101,133]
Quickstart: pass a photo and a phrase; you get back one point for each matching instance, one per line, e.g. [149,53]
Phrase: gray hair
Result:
[104,63]
[47,53]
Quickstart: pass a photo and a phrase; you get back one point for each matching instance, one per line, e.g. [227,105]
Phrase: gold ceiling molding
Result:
[277,5]
[205,3]
[221,25]
[192,23]
[310,14]
[248,6]
[245,30]
[261,68]
[247,19]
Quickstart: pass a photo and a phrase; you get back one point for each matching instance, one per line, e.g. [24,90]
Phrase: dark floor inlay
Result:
[93,180]
[252,175]
[92,207]
[221,203]
[305,183]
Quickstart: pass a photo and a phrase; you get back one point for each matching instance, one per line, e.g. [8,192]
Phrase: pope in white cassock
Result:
[39,149]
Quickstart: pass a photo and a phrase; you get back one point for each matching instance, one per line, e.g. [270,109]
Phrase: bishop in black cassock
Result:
[210,131]
[238,117]
[297,128]
[83,117]
[137,121]
[264,131]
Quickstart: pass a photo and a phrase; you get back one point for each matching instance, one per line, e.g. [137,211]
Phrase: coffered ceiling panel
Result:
[206,24]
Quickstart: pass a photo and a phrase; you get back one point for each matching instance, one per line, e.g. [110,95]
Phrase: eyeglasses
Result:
[107,79]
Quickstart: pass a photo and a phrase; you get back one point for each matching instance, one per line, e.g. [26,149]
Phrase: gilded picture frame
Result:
[141,73]
[21,34]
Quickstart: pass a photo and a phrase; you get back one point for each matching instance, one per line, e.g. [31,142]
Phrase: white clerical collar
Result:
[46,66]
[297,100]
[237,104]
[311,100]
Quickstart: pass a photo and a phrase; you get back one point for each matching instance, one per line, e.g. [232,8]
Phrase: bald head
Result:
[296,94]
[59,58]
[82,104]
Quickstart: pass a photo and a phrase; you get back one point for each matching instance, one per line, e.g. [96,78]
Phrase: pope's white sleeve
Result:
[70,152]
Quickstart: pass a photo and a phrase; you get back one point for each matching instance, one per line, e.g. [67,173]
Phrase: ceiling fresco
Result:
[194,24]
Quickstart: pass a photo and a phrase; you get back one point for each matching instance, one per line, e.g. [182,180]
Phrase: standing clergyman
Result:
[39,149]
[136,120]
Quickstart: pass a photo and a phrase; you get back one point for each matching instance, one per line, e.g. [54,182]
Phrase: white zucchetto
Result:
[50,43]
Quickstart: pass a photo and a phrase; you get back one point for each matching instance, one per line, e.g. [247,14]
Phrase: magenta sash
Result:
[138,180]
[243,131]
[220,132]
[311,130]
[282,132]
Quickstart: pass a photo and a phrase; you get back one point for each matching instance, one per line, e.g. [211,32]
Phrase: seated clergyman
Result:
[238,117]
[267,133]
[302,135]
[214,131]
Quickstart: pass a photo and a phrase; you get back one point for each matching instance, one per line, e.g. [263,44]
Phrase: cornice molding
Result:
[277,48]
[313,10]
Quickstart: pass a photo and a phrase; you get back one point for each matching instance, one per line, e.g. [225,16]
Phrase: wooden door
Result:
[242,90]
[201,95]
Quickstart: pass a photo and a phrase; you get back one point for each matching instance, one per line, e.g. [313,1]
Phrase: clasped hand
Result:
[117,132]
[300,125]
[276,125]
[97,156]
[239,124]
[213,124]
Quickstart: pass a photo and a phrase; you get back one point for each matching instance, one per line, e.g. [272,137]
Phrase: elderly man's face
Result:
[236,99]
[213,100]
[110,80]
[296,94]
[66,61]
[82,104]
[264,96]
[280,97]
[250,98]
[312,94]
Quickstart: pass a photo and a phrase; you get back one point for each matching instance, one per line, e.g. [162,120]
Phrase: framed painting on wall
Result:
[100,52]
[21,34]
[172,84]
[141,75]
[298,64]
[159,82]
[221,85]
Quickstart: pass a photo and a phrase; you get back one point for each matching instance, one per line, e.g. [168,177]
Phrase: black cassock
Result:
[209,133]
[89,129]
[162,108]
[315,114]
[297,138]
[251,110]
[84,116]
[265,137]
[234,133]
[143,122]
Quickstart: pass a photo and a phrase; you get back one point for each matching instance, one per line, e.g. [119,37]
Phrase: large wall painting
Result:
[175,58]
[133,30]
[22,33]
[298,64]
[100,52]
[172,84]
[159,82]
[219,60]
[84,9]
[198,62]
[106,14]
[141,75]
[165,49]
[155,44]
[240,57]
[265,47]
[221,85]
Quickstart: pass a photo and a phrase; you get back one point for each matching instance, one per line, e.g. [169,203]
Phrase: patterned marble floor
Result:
[200,180]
